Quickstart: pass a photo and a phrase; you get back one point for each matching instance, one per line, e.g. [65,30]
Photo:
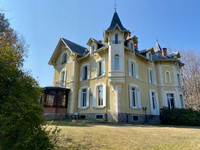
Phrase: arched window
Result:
[64,58]
[167,77]
[116,38]
[116,62]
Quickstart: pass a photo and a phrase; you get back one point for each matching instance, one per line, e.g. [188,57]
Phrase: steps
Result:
[154,119]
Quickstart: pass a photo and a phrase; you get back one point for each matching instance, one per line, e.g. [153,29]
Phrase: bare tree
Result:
[191,78]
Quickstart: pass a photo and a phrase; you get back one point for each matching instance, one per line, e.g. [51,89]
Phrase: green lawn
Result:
[100,135]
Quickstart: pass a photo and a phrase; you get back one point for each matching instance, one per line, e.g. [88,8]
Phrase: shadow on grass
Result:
[91,123]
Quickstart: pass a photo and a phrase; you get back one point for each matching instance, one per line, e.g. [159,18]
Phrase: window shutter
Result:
[79,98]
[103,65]
[149,76]
[104,95]
[94,96]
[150,98]
[130,97]
[88,71]
[157,104]
[81,73]
[129,67]
[95,69]
[154,77]
[136,70]
[88,98]
[139,98]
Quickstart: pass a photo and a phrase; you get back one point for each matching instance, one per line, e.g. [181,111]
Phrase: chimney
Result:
[136,46]
[129,35]
[164,51]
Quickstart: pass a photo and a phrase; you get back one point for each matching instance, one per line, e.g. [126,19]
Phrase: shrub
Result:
[188,117]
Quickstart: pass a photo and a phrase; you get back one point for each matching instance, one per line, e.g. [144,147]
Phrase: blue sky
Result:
[176,24]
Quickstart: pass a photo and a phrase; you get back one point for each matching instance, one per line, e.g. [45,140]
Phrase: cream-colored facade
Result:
[114,81]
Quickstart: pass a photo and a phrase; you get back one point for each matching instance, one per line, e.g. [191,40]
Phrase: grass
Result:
[77,134]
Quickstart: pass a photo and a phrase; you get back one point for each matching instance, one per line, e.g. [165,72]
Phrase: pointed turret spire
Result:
[116,21]
[158,48]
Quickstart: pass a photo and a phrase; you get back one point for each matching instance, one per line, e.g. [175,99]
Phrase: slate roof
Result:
[145,50]
[75,47]
[115,21]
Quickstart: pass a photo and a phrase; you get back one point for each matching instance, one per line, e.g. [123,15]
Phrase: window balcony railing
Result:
[61,83]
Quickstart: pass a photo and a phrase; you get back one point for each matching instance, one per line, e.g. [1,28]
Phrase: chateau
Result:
[112,79]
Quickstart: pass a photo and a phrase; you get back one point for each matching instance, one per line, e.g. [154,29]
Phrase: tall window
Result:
[132,69]
[100,69]
[170,100]
[85,72]
[116,62]
[64,58]
[179,80]
[168,77]
[93,48]
[153,99]
[84,97]
[62,81]
[150,56]
[151,76]
[133,93]
[100,96]
[116,38]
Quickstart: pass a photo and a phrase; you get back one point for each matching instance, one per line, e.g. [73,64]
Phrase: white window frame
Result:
[149,55]
[166,79]
[156,102]
[179,82]
[170,102]
[96,96]
[116,64]
[65,76]
[96,67]
[135,67]
[80,97]
[137,96]
[82,71]
[61,58]
[153,79]
[182,101]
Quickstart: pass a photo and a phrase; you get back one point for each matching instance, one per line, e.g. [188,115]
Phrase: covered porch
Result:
[55,102]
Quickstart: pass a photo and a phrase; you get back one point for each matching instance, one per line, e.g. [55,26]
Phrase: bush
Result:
[177,116]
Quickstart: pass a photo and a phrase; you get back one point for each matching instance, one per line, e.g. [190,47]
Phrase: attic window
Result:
[64,58]
[131,46]
[93,48]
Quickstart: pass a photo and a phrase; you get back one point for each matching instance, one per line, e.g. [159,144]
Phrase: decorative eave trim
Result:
[91,39]
[177,60]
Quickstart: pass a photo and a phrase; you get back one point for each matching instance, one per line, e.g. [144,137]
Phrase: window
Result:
[150,56]
[170,100]
[85,72]
[82,117]
[131,46]
[100,68]
[99,116]
[116,62]
[50,100]
[167,77]
[84,97]
[116,38]
[62,99]
[93,48]
[151,76]
[133,68]
[179,80]
[64,58]
[100,95]
[133,92]
[182,101]
[135,118]
[62,79]
[153,100]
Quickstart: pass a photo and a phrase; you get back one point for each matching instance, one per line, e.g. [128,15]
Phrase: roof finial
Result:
[115,6]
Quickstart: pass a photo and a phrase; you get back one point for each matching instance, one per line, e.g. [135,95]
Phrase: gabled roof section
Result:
[116,21]
[75,47]
[147,50]
[92,39]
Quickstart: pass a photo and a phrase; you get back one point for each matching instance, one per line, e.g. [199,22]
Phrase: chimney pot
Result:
[164,51]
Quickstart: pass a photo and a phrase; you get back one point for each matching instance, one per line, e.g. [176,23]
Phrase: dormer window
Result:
[64,58]
[93,48]
[116,38]
[131,46]
[150,56]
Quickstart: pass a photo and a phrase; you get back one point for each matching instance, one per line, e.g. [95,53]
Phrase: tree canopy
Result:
[21,116]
